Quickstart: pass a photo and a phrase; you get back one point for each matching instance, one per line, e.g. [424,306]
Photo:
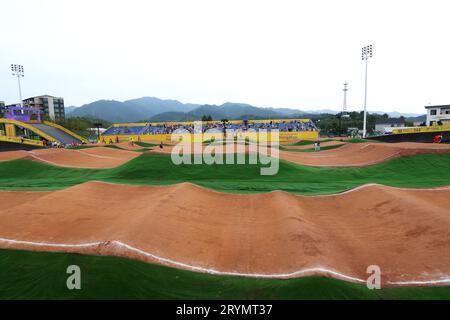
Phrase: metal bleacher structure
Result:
[289,129]
[24,126]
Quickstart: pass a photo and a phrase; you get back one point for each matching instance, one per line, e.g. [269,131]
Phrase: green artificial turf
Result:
[356,140]
[306,142]
[147,144]
[42,275]
[79,147]
[312,149]
[311,142]
[419,171]
[112,146]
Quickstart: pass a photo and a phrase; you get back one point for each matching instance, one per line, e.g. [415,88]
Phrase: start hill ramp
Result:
[56,133]
[44,130]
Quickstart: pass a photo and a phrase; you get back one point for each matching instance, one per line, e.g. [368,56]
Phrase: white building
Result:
[438,115]
[51,107]
[387,125]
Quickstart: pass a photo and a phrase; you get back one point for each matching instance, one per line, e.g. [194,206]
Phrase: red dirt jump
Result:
[12,155]
[362,154]
[98,157]
[406,232]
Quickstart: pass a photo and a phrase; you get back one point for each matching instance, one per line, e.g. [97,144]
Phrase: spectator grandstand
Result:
[288,125]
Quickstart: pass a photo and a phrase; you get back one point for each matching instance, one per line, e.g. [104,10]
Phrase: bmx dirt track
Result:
[348,155]
[94,158]
[362,154]
[404,231]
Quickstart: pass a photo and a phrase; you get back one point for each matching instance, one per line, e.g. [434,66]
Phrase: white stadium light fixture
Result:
[17,70]
[366,53]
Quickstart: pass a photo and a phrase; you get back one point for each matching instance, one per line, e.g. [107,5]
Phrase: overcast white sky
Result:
[277,53]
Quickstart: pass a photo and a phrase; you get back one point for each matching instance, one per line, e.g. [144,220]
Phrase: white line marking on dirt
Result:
[181,264]
[62,165]
[96,155]
[367,185]
[364,164]
[421,283]
[303,272]
[381,185]
[44,160]
[46,244]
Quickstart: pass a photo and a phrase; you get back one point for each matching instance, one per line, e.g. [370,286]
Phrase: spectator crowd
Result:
[167,128]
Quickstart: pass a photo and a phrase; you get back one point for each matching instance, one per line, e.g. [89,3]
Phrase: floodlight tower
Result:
[344,108]
[366,53]
[17,70]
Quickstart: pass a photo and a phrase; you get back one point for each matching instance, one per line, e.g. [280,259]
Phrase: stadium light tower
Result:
[344,108]
[366,53]
[17,70]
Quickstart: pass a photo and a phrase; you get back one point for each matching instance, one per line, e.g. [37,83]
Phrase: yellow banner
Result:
[283,136]
[21,140]
[421,129]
